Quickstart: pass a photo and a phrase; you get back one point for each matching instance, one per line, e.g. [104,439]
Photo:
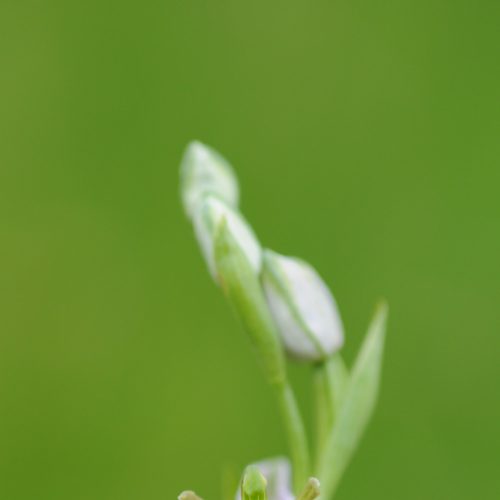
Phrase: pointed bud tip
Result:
[197,151]
[314,483]
[311,490]
[382,307]
[204,171]
[188,495]
[381,314]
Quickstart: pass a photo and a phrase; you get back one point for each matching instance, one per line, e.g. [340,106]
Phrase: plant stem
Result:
[324,411]
[330,379]
[337,376]
[296,434]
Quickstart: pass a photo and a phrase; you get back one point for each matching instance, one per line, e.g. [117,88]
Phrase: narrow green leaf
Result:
[357,406]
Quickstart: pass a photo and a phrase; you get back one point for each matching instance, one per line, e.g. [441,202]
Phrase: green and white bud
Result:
[277,474]
[204,171]
[253,485]
[302,306]
[209,214]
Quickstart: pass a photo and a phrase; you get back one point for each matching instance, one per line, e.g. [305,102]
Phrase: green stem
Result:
[336,379]
[297,439]
[330,379]
[324,413]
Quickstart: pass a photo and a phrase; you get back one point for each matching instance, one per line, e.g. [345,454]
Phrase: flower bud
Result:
[277,473]
[188,495]
[207,217]
[302,306]
[253,485]
[311,490]
[204,171]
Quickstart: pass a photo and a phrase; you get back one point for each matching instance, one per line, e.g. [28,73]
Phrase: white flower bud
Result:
[207,217]
[302,306]
[204,171]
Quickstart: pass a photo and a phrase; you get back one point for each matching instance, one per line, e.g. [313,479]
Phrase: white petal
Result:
[302,306]
[209,213]
[204,171]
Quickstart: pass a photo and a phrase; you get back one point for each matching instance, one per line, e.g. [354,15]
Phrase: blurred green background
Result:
[366,138]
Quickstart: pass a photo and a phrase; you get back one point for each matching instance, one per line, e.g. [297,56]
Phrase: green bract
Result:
[241,286]
[208,215]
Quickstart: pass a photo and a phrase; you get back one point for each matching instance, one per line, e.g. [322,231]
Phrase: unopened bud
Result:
[253,485]
[302,306]
[277,473]
[204,171]
[311,490]
[188,495]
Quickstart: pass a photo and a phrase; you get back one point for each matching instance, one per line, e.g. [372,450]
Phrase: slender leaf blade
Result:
[357,406]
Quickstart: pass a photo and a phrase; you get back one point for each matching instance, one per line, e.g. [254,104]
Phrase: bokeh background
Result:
[366,138]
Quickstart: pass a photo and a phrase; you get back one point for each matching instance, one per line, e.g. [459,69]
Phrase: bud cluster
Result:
[302,306]
[286,308]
